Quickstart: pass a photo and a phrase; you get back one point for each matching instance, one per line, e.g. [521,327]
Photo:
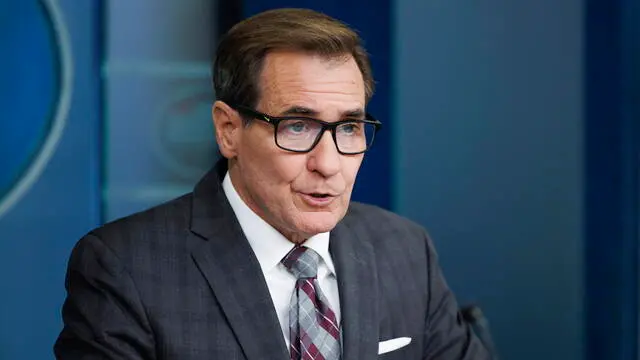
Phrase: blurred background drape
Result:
[511,131]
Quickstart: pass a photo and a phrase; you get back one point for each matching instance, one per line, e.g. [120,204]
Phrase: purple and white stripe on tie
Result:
[313,328]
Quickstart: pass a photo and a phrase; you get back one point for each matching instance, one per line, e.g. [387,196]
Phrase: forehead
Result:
[295,78]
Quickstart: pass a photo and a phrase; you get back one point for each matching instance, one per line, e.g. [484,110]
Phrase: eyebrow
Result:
[302,110]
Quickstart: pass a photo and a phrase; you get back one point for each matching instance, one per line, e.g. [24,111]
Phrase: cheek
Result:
[272,169]
[350,167]
[260,155]
[287,167]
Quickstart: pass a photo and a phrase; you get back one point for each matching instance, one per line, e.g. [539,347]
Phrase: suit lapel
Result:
[233,272]
[357,283]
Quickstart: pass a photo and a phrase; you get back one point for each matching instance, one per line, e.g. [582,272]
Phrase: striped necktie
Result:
[313,329]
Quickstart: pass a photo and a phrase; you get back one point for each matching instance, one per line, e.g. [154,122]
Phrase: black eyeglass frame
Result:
[275,120]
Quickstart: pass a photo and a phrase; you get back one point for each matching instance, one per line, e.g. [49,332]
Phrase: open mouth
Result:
[318,199]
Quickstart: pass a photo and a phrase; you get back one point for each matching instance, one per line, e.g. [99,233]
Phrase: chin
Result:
[318,222]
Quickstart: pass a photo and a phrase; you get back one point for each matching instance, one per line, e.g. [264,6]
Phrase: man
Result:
[267,258]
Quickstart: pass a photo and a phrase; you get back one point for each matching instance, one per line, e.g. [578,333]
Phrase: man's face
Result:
[300,194]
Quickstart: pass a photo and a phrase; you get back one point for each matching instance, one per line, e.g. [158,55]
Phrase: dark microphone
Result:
[473,316]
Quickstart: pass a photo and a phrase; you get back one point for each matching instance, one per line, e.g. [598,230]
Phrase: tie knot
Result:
[302,262]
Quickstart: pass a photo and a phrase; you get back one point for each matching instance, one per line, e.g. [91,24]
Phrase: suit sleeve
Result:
[103,316]
[447,336]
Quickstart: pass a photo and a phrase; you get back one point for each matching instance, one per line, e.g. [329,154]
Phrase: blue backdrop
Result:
[612,175]
[511,131]
[49,161]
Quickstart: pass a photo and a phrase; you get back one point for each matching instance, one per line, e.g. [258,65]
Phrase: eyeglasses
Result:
[301,134]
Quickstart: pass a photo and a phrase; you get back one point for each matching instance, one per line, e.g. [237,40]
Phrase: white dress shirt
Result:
[270,247]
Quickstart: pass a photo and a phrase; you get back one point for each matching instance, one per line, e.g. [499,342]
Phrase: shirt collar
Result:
[267,243]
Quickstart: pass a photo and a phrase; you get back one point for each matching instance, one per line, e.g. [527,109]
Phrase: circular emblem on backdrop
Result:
[185,138]
[34,95]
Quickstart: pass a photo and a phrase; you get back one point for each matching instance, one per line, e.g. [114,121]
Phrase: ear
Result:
[228,126]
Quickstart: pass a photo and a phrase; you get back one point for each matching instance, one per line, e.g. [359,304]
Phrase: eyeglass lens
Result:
[301,135]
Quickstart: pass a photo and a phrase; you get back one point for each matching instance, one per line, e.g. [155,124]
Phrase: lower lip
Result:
[316,201]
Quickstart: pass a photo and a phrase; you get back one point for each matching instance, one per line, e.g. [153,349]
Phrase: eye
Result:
[295,126]
[350,128]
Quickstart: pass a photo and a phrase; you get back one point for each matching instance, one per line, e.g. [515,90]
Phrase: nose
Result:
[325,158]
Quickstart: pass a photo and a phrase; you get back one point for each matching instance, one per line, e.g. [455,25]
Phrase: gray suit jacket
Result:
[180,281]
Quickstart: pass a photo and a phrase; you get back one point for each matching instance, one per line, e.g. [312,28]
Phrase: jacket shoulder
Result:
[381,224]
[147,229]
